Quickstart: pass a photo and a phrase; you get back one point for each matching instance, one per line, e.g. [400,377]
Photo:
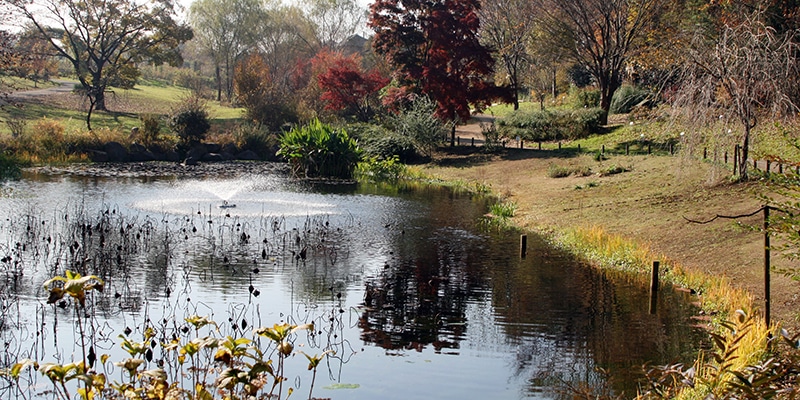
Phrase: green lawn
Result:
[125,106]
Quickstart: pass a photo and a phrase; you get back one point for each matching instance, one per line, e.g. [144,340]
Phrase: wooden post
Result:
[540,145]
[579,147]
[766,267]
[726,158]
[654,287]
[559,145]
[523,245]
[671,148]
[705,153]
[768,166]
[648,149]
[780,168]
[473,142]
[736,159]
[627,149]
[603,149]
[458,140]
[521,143]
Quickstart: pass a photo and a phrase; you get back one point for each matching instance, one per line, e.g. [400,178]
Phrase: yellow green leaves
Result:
[313,361]
[74,285]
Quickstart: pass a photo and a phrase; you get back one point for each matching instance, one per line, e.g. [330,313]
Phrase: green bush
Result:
[626,98]
[420,124]
[377,141]
[9,167]
[189,120]
[318,150]
[376,169]
[543,125]
[256,138]
[585,98]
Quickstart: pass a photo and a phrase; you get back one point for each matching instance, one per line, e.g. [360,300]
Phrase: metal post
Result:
[766,267]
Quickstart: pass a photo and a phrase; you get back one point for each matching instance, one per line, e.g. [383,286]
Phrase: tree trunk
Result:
[219,83]
[745,151]
[453,135]
[554,88]
[99,96]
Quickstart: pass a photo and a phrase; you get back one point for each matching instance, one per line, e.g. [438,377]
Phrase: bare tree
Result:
[744,72]
[226,29]
[600,35]
[333,21]
[506,27]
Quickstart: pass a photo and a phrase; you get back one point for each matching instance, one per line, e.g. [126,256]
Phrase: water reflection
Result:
[398,271]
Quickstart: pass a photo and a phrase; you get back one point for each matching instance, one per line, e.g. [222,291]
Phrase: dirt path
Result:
[647,204]
[64,87]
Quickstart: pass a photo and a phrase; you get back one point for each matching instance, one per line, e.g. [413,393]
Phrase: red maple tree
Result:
[346,87]
[434,48]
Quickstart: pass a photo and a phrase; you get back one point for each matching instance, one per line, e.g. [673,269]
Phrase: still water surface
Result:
[417,299]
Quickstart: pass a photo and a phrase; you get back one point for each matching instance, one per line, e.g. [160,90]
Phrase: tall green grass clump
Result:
[627,97]
[318,150]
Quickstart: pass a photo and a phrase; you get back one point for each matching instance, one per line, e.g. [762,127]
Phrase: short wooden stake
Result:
[705,153]
[473,142]
[559,145]
[523,246]
[648,149]
[458,140]
[521,143]
[579,147]
[654,287]
[726,157]
[627,149]
[603,149]
[540,145]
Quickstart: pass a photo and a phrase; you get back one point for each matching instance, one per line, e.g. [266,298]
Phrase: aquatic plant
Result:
[375,169]
[319,150]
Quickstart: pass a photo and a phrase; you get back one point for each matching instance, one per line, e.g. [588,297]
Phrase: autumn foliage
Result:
[435,51]
[347,88]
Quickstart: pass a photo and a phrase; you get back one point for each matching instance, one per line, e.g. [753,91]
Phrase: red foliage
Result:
[435,50]
[344,85]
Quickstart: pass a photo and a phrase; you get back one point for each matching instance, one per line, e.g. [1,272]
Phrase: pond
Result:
[413,296]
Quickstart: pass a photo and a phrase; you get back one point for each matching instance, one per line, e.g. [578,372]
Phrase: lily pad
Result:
[343,386]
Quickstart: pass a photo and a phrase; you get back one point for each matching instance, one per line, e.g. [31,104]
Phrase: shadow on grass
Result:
[468,156]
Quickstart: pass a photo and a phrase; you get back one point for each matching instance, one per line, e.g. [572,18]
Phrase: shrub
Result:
[256,138]
[189,120]
[376,169]
[626,98]
[419,123]
[151,128]
[542,125]
[9,167]
[492,139]
[377,141]
[318,150]
[585,98]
